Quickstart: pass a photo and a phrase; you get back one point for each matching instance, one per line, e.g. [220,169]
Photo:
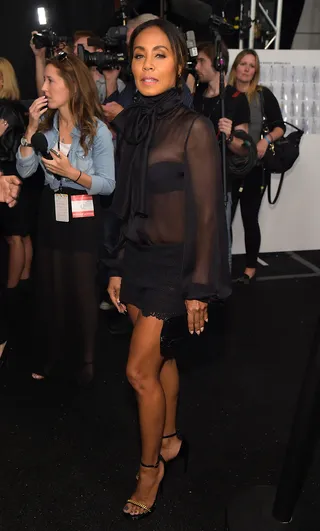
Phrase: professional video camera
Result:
[47,38]
[115,51]
[114,54]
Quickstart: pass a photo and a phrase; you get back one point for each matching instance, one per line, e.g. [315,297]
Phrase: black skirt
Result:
[66,299]
[151,279]
[16,221]
[79,234]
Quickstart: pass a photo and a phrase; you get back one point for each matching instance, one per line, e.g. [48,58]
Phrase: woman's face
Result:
[55,88]
[153,63]
[246,69]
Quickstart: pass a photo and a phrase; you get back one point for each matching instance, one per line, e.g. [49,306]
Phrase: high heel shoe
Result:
[147,510]
[183,453]
[245,279]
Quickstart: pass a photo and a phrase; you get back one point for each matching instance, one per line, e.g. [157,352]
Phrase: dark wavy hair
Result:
[84,102]
[210,50]
[176,39]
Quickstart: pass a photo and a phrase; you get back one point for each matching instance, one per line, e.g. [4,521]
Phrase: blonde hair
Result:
[133,23]
[10,89]
[254,86]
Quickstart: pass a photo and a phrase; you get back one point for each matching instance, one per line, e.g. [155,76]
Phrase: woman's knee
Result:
[14,240]
[141,378]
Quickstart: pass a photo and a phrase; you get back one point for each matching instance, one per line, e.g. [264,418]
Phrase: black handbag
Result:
[281,154]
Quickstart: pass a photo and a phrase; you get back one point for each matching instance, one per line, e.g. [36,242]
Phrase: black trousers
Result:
[250,201]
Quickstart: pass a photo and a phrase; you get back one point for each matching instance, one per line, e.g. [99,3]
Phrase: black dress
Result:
[13,221]
[177,249]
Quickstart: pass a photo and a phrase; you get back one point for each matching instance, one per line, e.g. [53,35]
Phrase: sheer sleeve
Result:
[205,266]
[112,251]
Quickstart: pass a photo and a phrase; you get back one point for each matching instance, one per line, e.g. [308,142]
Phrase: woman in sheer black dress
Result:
[169,196]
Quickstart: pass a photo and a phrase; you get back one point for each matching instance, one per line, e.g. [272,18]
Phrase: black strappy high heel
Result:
[147,510]
[183,453]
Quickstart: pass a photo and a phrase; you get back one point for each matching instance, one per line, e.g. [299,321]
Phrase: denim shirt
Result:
[98,163]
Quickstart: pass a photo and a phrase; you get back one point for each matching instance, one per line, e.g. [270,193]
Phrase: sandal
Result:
[147,510]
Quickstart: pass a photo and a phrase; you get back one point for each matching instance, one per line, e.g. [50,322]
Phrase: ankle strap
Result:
[169,436]
[151,466]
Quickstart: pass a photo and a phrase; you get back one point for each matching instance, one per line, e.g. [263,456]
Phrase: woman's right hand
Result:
[3,126]
[37,109]
[114,293]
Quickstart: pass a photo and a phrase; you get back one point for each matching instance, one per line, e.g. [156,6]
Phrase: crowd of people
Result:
[152,144]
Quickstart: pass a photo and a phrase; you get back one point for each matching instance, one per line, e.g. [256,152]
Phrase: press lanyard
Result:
[58,143]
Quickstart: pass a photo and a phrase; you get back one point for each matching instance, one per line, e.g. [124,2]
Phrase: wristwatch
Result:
[24,142]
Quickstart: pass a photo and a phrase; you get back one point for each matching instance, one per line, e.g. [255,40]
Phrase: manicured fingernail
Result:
[191,332]
[198,332]
[206,320]
[202,329]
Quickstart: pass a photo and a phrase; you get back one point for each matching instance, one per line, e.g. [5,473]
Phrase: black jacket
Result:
[15,114]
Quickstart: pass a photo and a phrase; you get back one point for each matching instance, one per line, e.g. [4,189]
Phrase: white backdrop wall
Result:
[294,222]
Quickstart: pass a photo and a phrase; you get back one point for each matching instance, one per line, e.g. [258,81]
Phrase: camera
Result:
[114,54]
[47,39]
[192,52]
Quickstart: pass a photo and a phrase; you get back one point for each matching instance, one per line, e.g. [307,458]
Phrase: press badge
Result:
[82,206]
[61,204]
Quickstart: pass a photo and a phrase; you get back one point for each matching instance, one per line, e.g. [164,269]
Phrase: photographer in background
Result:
[40,58]
[80,37]
[101,80]
[207,101]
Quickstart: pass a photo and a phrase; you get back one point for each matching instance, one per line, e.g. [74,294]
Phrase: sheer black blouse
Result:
[184,200]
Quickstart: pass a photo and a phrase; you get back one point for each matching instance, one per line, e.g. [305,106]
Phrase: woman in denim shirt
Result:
[80,167]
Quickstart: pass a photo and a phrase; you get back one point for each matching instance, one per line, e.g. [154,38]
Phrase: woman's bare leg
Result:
[143,370]
[169,378]
[16,260]
[28,251]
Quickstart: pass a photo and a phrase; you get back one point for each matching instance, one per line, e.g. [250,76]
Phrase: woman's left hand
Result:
[262,147]
[60,165]
[197,316]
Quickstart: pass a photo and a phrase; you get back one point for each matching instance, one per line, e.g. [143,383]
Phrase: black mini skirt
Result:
[151,279]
